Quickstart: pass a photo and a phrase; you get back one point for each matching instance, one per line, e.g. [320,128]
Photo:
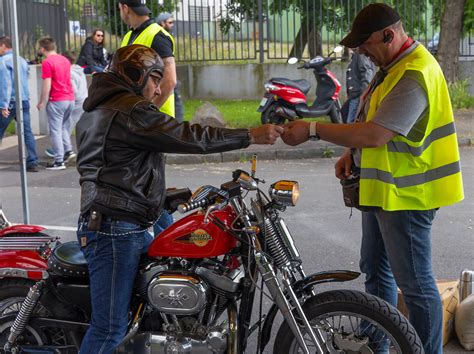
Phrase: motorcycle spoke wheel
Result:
[33,336]
[351,321]
[13,304]
[349,333]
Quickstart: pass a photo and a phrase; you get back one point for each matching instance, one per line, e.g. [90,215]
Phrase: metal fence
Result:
[223,30]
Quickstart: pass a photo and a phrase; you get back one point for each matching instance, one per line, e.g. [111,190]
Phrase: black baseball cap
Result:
[138,6]
[370,19]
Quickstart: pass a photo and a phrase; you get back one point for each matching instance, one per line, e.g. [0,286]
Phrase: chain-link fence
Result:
[223,30]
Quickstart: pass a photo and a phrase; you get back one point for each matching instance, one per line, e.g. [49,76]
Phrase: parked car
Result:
[433,44]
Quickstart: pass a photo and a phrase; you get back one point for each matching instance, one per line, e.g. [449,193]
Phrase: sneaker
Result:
[32,168]
[55,166]
[49,152]
[69,156]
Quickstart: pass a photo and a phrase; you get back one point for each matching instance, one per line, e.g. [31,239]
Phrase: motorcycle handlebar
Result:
[185,207]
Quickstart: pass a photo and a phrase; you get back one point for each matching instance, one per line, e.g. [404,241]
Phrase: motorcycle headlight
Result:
[285,192]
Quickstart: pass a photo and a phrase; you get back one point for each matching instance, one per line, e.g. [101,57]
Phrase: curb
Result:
[318,151]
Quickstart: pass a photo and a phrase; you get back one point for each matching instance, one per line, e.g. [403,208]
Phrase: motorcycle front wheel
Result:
[269,116]
[352,322]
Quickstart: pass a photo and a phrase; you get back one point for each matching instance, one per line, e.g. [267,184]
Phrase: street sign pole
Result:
[19,111]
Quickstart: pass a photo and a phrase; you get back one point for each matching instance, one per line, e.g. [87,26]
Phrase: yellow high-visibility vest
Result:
[408,175]
[146,38]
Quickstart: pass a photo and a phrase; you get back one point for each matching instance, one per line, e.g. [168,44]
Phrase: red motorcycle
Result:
[197,286]
[285,99]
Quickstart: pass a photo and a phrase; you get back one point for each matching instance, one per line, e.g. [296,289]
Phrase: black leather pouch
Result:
[350,192]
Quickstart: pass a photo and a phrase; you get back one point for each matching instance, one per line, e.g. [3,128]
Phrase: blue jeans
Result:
[165,220]
[93,69]
[112,255]
[396,250]
[31,157]
[352,109]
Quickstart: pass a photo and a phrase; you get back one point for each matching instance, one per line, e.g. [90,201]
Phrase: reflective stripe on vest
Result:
[408,175]
[146,38]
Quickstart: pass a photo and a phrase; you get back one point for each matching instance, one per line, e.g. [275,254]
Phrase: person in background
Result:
[93,55]
[8,102]
[359,73]
[166,20]
[145,31]
[58,96]
[404,148]
[79,86]
[121,139]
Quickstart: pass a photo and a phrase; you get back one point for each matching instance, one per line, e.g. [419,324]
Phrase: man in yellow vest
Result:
[404,147]
[146,32]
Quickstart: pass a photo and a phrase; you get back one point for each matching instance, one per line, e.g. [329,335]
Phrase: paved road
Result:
[327,235]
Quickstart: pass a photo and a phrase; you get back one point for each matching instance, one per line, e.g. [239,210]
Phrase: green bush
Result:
[459,93]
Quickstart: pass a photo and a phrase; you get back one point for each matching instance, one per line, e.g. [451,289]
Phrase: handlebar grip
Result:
[184,208]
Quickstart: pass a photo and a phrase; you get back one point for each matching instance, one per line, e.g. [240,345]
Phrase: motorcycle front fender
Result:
[299,287]
[323,277]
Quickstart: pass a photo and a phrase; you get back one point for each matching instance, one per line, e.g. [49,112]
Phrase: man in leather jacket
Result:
[122,138]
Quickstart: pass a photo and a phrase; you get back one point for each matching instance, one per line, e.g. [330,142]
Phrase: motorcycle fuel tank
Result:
[191,237]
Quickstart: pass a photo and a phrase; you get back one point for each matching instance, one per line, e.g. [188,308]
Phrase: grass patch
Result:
[237,113]
[11,129]
[459,94]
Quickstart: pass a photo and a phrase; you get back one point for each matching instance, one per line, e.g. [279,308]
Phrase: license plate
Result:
[263,101]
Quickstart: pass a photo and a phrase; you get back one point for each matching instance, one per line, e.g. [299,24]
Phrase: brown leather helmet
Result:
[134,63]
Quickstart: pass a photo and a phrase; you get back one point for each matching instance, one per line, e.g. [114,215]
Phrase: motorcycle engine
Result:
[178,294]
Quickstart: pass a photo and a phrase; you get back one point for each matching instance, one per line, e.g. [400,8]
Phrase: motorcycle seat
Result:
[302,84]
[68,260]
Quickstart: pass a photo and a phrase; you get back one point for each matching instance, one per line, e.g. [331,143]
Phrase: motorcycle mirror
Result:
[293,60]
[338,49]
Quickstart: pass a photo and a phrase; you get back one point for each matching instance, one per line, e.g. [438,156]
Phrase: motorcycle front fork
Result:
[277,292]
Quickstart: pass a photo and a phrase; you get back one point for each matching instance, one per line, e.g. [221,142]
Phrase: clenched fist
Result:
[296,132]
[265,134]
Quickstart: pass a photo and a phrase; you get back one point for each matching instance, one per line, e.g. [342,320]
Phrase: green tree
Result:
[114,23]
[336,16]
[454,17]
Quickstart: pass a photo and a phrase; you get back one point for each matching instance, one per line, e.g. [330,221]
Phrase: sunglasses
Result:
[99,35]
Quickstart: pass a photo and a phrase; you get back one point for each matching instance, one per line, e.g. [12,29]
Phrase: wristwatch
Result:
[313,135]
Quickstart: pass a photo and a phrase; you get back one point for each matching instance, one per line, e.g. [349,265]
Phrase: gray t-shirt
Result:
[405,108]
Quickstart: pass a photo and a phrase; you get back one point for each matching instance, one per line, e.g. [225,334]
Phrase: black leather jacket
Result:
[360,72]
[92,54]
[121,141]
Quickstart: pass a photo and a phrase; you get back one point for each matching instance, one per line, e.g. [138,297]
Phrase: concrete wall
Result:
[218,81]
[243,81]
[466,72]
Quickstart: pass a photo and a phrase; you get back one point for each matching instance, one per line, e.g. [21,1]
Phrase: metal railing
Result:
[222,30]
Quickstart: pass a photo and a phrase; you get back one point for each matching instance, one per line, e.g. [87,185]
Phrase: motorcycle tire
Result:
[269,116]
[335,114]
[12,293]
[372,312]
